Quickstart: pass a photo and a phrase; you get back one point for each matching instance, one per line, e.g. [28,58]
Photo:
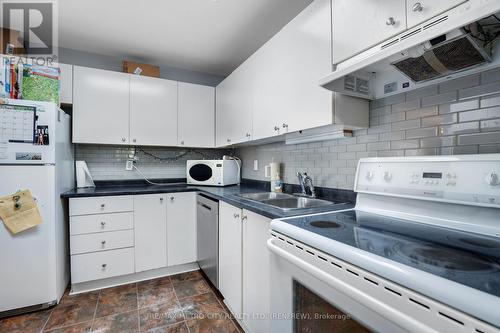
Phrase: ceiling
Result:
[210,36]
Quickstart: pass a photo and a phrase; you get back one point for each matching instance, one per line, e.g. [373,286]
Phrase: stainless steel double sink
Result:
[286,202]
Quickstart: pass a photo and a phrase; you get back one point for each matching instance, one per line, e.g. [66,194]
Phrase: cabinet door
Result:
[153,111]
[100,106]
[181,228]
[66,84]
[359,25]
[287,94]
[256,271]
[234,106]
[196,115]
[230,256]
[150,225]
[422,10]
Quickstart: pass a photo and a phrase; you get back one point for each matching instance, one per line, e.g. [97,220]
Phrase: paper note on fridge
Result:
[19,211]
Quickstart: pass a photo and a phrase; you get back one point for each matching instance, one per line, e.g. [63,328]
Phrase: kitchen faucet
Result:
[303,181]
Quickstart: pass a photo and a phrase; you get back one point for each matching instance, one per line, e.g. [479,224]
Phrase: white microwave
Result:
[213,172]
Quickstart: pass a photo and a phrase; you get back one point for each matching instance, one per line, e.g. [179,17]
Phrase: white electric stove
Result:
[420,252]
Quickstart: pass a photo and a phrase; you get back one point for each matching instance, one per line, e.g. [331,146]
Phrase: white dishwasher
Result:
[208,237]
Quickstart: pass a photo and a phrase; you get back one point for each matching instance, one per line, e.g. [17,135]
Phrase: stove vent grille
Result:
[445,58]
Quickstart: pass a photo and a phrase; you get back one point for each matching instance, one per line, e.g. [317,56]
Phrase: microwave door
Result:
[201,172]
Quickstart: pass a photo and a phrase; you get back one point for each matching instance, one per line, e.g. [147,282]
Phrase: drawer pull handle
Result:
[172,198]
[103,224]
[103,243]
[104,266]
[103,205]
[236,216]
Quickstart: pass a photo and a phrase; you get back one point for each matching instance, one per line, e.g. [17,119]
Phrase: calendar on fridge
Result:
[17,123]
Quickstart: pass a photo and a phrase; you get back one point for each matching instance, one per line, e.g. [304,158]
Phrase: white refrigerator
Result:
[36,154]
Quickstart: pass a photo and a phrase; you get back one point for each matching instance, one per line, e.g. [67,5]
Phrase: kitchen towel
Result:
[19,211]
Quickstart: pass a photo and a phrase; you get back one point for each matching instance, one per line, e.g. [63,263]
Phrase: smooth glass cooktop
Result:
[467,258]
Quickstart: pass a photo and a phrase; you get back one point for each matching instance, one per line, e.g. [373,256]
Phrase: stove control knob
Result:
[493,179]
[369,175]
[387,176]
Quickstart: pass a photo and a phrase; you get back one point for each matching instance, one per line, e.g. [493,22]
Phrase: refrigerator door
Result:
[27,132]
[27,259]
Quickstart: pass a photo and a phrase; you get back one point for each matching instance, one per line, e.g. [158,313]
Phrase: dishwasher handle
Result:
[205,206]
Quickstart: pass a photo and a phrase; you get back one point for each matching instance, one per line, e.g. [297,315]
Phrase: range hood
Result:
[422,56]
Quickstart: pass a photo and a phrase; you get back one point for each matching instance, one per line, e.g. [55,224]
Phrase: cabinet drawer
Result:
[86,224]
[101,241]
[101,265]
[97,205]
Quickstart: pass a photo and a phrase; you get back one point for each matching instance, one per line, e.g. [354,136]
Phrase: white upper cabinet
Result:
[361,24]
[181,228]
[66,84]
[287,96]
[422,10]
[100,106]
[234,106]
[150,230]
[153,111]
[196,115]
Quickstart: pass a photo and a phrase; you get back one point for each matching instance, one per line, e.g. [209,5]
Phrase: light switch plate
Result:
[255,165]
[130,165]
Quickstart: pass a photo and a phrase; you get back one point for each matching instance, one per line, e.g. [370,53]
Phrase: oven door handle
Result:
[375,305]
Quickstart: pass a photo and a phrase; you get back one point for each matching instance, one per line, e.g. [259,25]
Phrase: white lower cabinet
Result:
[230,252]
[256,272]
[150,216]
[181,228]
[121,235]
[244,265]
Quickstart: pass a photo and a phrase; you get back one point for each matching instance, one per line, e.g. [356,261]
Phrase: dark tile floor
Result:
[183,303]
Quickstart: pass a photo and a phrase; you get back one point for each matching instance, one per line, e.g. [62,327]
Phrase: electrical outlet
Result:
[130,165]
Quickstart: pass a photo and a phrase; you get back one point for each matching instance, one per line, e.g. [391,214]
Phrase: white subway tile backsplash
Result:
[439,99]
[424,112]
[459,128]
[459,106]
[404,125]
[479,138]
[490,125]
[490,101]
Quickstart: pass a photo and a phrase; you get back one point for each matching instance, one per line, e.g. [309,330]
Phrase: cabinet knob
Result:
[134,140]
[417,7]
[104,266]
[285,125]
[228,140]
[123,139]
[276,128]
[182,142]
[236,216]
[103,242]
[248,135]
[243,218]
[161,199]
[390,21]
[103,205]
[103,224]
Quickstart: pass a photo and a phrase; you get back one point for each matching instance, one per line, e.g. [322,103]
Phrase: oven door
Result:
[307,298]
[202,173]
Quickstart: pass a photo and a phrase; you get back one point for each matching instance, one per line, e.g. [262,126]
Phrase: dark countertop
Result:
[227,194]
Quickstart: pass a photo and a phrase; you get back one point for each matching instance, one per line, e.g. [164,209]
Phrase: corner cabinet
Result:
[100,106]
[153,111]
[234,107]
[244,259]
[196,116]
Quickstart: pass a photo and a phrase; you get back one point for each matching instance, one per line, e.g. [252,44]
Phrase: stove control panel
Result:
[469,179]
